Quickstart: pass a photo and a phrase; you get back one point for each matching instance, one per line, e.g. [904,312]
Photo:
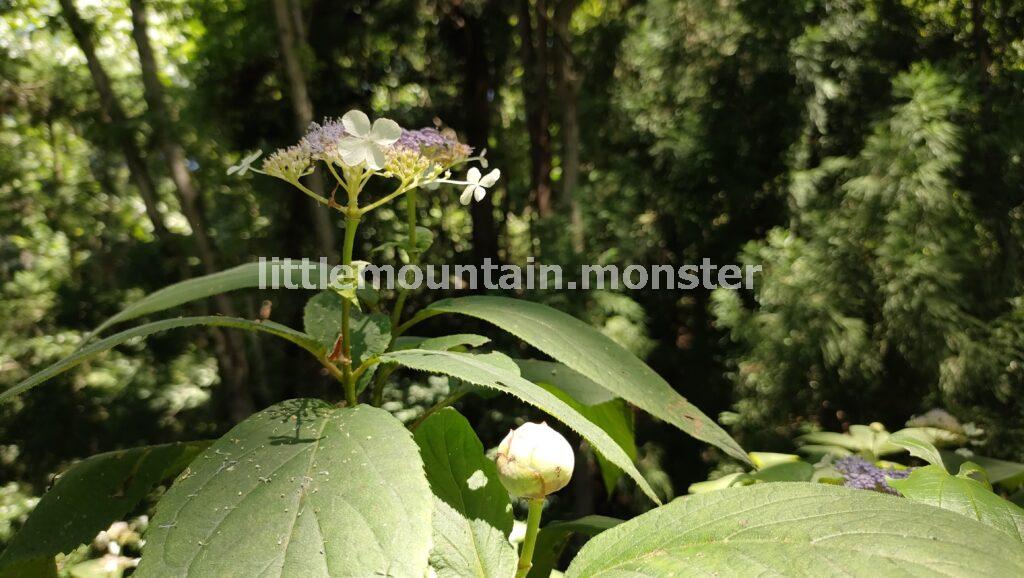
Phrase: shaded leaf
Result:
[554,537]
[473,513]
[581,388]
[91,495]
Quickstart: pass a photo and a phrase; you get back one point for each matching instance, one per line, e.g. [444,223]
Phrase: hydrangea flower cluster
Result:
[863,475]
[353,149]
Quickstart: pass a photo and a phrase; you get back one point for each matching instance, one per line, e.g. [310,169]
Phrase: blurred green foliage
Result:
[867,153]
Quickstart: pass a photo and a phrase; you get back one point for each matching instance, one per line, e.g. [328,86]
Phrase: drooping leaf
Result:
[918,445]
[554,537]
[299,489]
[798,529]
[241,277]
[482,371]
[616,419]
[472,511]
[594,355]
[581,388]
[933,485]
[91,495]
[98,347]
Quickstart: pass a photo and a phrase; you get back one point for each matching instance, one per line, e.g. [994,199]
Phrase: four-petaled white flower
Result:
[476,187]
[365,143]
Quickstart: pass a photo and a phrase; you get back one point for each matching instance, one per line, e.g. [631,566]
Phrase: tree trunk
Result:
[113,116]
[291,36]
[568,93]
[476,87]
[534,53]
[229,345]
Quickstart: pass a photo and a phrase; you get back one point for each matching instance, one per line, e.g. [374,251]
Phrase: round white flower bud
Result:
[534,461]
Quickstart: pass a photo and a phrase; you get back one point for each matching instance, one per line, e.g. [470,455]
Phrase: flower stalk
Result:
[536,507]
[351,223]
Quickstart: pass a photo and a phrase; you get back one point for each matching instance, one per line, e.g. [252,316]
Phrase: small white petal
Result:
[353,156]
[375,157]
[467,195]
[385,131]
[356,123]
[490,178]
[473,175]
[480,193]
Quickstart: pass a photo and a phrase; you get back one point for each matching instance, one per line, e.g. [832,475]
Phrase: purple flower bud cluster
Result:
[438,146]
[863,475]
[322,139]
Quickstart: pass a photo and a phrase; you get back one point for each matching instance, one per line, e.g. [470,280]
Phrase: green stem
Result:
[351,223]
[438,407]
[414,256]
[530,541]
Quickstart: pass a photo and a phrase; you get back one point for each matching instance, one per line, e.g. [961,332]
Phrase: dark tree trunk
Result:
[534,54]
[113,116]
[291,37]
[568,93]
[477,88]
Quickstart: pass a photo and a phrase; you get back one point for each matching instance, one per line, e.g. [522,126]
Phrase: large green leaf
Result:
[596,356]
[92,350]
[299,489]
[483,371]
[799,529]
[472,511]
[554,537]
[91,495]
[579,387]
[962,494]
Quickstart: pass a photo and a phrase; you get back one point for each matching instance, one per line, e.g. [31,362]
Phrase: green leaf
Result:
[482,371]
[241,277]
[918,445]
[594,355]
[799,529]
[299,489]
[581,388]
[726,481]
[554,537]
[762,460]
[91,495]
[370,333]
[1000,472]
[424,239]
[449,342]
[616,419]
[933,485]
[472,511]
[92,350]
[785,472]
